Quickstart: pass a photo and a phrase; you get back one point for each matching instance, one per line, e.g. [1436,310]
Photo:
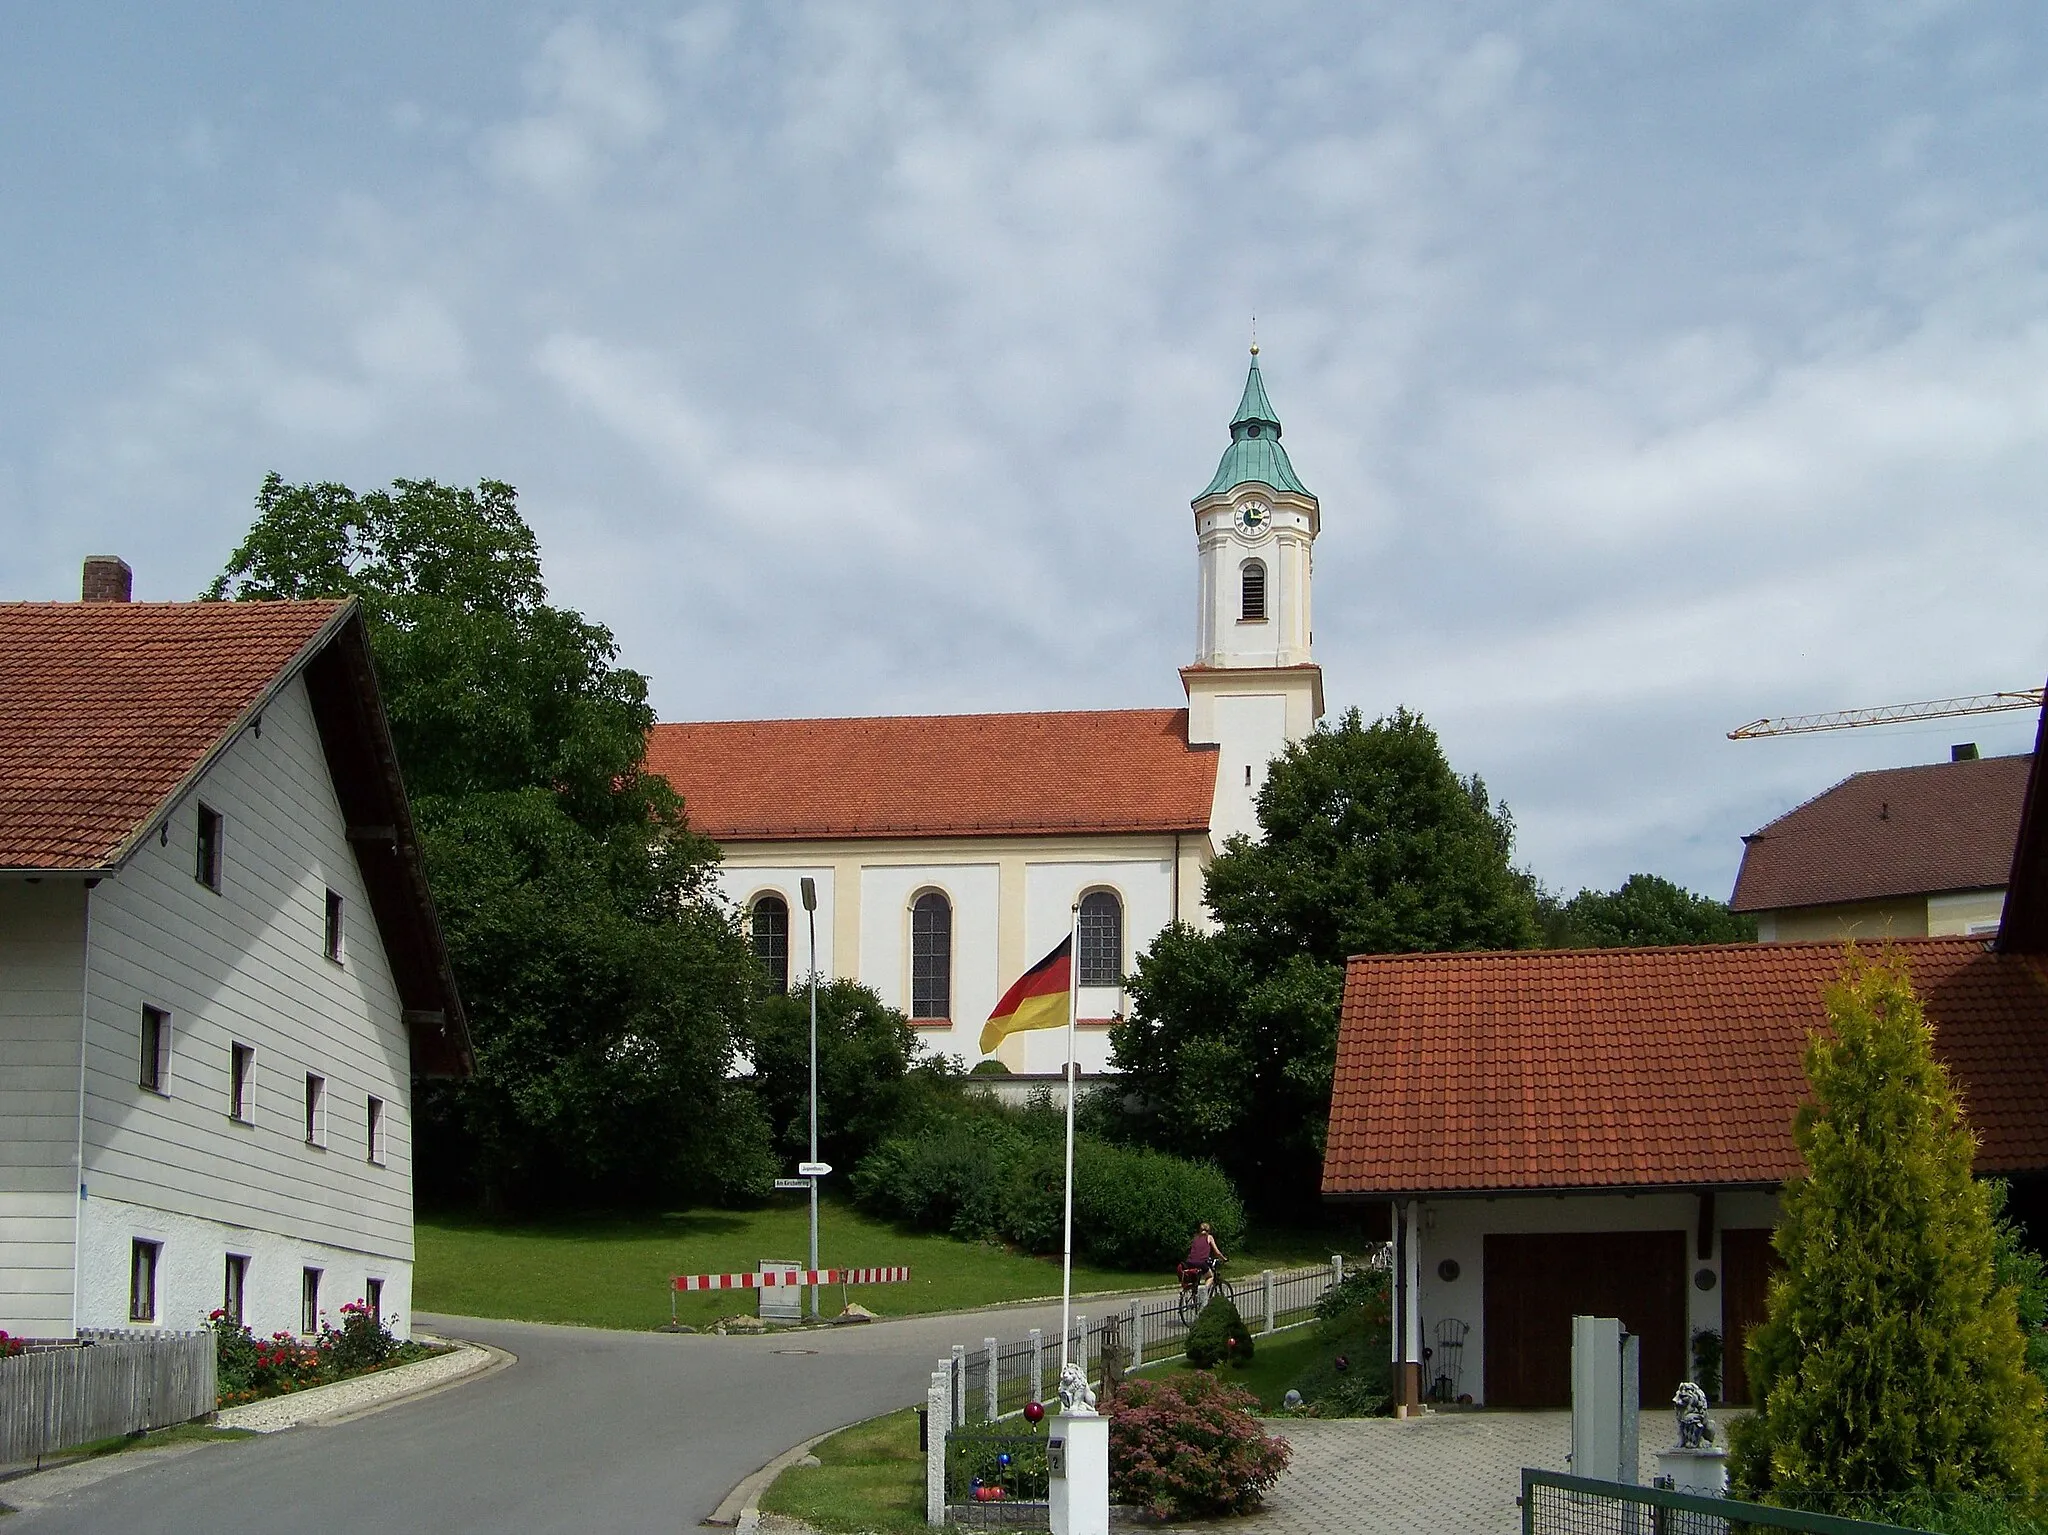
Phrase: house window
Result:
[1100,961]
[241,1082]
[309,1301]
[316,1110]
[212,831]
[375,1130]
[334,925]
[234,1288]
[1253,608]
[142,1256]
[771,939]
[154,1069]
[373,1297]
[931,956]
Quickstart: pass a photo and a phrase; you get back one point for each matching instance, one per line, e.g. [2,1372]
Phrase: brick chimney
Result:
[107,579]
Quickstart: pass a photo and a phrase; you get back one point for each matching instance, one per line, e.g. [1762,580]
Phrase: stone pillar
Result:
[937,1408]
[988,1348]
[1077,1456]
[1702,1472]
[1135,1331]
[1037,1365]
[1266,1282]
[959,1413]
[1079,1342]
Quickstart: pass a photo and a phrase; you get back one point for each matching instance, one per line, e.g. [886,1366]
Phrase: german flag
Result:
[1037,1001]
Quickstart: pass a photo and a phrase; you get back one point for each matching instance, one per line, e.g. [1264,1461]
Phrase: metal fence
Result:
[996,1476]
[1575,1505]
[107,1383]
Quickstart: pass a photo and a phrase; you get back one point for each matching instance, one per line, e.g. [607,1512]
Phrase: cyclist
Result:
[1198,1272]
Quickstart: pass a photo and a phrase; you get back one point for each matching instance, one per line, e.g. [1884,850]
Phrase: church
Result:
[948,852]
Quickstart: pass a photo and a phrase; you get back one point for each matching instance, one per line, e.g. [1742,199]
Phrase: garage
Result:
[1537,1282]
[1747,1263]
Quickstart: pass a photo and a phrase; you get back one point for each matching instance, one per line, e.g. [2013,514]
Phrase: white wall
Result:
[886,891]
[1251,730]
[42,977]
[1050,891]
[192,1264]
[247,964]
[1457,1229]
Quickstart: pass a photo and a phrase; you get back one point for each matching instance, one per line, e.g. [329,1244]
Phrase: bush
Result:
[248,1367]
[9,1347]
[1351,1326]
[979,1171]
[1892,1360]
[1186,1446]
[1706,1362]
[1219,1335]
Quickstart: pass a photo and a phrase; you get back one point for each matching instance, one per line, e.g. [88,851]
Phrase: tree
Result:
[865,1054]
[1372,845]
[605,982]
[1892,1360]
[1646,912]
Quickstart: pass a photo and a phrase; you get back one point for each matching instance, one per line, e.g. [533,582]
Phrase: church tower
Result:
[1254,685]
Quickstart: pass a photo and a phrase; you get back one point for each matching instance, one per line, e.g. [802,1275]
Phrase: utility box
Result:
[1606,1399]
[783,1302]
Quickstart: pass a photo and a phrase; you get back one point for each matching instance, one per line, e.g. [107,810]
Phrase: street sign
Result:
[792,1183]
[814,1169]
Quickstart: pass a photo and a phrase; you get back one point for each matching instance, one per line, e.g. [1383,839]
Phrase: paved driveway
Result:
[589,1431]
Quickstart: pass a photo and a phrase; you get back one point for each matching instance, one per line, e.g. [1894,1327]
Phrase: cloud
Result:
[595,100]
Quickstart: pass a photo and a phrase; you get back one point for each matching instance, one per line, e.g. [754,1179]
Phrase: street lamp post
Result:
[810,892]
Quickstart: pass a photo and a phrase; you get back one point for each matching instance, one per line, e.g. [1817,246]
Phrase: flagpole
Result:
[1067,1240]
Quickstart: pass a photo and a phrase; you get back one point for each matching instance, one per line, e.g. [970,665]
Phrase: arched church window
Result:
[770,923]
[1253,608]
[931,956]
[1101,939]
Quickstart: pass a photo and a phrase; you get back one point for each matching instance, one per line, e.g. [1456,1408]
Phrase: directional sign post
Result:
[814,1169]
[798,1184]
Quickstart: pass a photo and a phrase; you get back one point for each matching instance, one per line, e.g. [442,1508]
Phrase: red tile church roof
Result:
[956,775]
[1640,1068]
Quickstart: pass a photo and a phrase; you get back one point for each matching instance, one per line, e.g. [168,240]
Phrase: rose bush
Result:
[1186,1446]
[250,1368]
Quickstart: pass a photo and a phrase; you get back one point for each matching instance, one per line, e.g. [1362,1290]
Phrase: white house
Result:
[219,968]
[948,852]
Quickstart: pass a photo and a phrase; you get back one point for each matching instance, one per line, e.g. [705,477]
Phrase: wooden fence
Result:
[108,1383]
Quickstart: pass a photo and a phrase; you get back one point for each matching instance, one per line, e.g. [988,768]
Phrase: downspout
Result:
[1176,878]
[78,1150]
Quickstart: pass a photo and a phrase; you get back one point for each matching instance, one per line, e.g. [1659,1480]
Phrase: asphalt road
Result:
[590,1431]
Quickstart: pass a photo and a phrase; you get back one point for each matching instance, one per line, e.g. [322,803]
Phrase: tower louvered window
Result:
[1101,934]
[931,956]
[1254,605]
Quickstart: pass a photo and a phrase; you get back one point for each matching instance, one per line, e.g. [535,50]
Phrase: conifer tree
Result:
[1892,1360]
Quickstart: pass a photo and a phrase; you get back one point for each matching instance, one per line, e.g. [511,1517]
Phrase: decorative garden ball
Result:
[1003,1459]
[1034,1411]
[1291,1401]
[1342,1362]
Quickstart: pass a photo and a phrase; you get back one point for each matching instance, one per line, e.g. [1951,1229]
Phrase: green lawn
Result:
[613,1271]
[871,1477]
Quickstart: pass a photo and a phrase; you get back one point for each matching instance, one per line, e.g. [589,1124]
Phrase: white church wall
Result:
[1050,891]
[743,885]
[1251,730]
[886,893]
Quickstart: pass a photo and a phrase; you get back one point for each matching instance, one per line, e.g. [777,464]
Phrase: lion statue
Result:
[1077,1398]
[1695,1429]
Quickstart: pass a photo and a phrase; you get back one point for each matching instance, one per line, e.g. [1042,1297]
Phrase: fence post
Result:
[1336,1269]
[1266,1280]
[1136,1341]
[958,1415]
[936,1414]
[1080,1342]
[1037,1364]
[988,1347]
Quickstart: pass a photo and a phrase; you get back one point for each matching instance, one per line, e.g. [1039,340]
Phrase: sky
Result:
[1657,366]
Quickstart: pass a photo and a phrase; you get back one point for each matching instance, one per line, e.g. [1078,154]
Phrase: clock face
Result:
[1253,518]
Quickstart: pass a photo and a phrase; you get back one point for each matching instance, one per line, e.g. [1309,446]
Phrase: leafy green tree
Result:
[1372,845]
[606,985]
[1892,1361]
[866,1086]
[1648,911]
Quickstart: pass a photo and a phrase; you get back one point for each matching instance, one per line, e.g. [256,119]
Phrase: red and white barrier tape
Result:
[774,1279]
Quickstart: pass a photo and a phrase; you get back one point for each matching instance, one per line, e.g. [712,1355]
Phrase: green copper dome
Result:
[1254,456]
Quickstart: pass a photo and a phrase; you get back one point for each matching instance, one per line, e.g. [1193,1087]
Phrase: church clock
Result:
[1253,518]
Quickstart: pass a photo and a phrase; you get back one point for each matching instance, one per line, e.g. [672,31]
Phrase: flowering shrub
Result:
[1186,1446]
[10,1346]
[250,1367]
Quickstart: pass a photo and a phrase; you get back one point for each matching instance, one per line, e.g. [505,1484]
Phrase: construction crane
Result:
[1889,714]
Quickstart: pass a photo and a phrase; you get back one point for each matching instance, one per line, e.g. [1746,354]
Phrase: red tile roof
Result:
[1902,831]
[1637,1068]
[2024,927]
[107,707]
[953,775]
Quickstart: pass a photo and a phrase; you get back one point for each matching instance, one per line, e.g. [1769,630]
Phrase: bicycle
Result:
[1201,1283]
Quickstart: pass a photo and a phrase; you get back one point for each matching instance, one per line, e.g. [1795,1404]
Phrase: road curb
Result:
[741,1508]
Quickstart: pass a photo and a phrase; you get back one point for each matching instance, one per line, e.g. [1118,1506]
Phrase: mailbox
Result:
[1056,1458]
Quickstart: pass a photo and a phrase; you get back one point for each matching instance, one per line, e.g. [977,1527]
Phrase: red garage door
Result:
[1536,1284]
